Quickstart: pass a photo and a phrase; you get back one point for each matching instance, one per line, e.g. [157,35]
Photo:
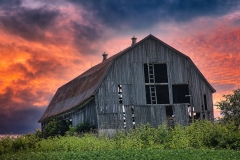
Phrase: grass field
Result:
[186,154]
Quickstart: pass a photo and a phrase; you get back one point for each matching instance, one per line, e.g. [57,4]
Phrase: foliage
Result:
[129,154]
[51,129]
[71,131]
[21,143]
[85,127]
[230,108]
[55,127]
[64,126]
[178,138]
[198,135]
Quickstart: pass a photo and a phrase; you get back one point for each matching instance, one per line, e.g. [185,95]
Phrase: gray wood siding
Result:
[143,114]
[128,70]
[181,114]
[85,113]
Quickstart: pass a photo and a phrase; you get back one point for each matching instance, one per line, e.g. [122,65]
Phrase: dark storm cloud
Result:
[28,23]
[20,121]
[86,32]
[86,37]
[10,3]
[20,117]
[144,13]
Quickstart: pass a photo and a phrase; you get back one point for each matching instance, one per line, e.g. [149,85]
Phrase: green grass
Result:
[178,154]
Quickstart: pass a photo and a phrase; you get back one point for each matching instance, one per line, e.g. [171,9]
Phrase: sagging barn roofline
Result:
[88,83]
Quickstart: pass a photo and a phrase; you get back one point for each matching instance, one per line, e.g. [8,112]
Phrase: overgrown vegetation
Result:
[63,127]
[230,108]
[199,135]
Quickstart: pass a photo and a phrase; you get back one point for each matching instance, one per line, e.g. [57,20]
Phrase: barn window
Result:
[181,93]
[160,71]
[205,101]
[197,116]
[148,94]
[162,94]
[155,73]
[156,83]
[169,111]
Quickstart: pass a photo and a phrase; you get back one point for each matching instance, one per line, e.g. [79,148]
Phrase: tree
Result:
[230,108]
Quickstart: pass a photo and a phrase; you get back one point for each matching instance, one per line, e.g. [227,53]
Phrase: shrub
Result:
[71,131]
[85,127]
[5,144]
[177,138]
[51,129]
[23,142]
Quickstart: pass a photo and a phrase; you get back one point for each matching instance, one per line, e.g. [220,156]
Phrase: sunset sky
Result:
[44,44]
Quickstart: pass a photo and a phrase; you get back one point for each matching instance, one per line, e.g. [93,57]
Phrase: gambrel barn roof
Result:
[81,89]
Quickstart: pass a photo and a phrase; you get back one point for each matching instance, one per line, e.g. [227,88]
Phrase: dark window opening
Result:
[146,73]
[181,93]
[197,116]
[162,94]
[155,73]
[203,115]
[205,101]
[120,94]
[160,71]
[151,94]
[148,97]
[169,115]
[169,111]
[120,100]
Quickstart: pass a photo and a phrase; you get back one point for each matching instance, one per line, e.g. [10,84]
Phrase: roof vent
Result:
[104,56]
[134,40]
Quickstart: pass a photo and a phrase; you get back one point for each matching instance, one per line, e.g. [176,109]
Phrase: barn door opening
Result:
[170,115]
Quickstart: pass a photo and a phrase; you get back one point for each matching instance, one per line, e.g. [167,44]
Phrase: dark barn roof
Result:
[82,88]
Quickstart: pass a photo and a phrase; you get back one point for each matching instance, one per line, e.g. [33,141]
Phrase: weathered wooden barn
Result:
[148,82]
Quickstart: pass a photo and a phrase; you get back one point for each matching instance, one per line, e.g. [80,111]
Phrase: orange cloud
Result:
[217,55]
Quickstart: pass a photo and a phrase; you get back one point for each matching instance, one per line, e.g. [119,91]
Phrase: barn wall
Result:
[128,71]
[198,89]
[84,114]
